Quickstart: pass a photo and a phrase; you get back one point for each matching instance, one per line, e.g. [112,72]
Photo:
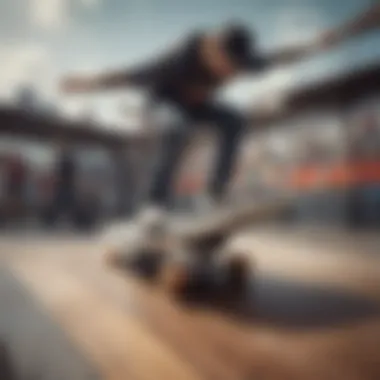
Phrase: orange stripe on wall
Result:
[310,177]
[336,176]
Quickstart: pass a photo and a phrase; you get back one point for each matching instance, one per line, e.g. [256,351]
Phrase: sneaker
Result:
[205,203]
[153,221]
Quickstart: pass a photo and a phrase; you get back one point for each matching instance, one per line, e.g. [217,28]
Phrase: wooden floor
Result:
[102,325]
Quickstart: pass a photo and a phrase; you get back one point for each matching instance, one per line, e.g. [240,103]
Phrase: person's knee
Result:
[173,145]
[232,123]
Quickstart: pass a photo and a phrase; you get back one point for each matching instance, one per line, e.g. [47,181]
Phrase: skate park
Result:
[189,190]
[314,310]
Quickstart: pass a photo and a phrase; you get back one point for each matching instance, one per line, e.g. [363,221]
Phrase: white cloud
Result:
[295,25]
[49,14]
[55,14]
[91,3]
[23,64]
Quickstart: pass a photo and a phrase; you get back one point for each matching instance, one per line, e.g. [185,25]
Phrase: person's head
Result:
[238,42]
[231,49]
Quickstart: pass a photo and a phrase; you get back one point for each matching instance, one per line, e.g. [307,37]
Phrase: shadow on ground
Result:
[290,304]
[270,300]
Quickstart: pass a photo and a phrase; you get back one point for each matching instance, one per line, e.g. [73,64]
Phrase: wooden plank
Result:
[117,342]
[201,345]
[157,314]
[96,306]
[33,343]
[223,347]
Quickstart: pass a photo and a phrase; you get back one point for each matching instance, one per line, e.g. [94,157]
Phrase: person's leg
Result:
[174,140]
[229,125]
[173,145]
[56,207]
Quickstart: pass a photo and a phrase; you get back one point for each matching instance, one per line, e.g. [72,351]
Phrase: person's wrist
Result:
[331,38]
[93,84]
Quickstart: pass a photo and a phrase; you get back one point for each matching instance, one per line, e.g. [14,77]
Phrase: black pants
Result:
[228,125]
[64,204]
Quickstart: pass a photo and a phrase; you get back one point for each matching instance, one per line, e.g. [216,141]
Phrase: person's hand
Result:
[76,84]
[328,40]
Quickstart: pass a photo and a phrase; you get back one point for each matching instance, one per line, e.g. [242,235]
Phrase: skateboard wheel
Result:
[236,274]
[175,278]
[148,263]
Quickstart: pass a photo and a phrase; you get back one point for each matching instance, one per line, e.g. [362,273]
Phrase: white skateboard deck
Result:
[228,220]
[127,239]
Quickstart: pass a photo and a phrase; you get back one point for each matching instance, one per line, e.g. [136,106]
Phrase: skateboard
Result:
[191,256]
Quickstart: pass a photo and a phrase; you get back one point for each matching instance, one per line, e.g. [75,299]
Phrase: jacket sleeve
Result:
[155,71]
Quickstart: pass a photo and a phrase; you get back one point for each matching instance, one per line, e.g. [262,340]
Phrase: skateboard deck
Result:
[191,253]
[228,220]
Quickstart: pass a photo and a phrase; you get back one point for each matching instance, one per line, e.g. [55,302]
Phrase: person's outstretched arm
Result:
[80,83]
[116,79]
[112,80]
[366,21]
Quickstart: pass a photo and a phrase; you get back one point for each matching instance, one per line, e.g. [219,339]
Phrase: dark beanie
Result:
[239,42]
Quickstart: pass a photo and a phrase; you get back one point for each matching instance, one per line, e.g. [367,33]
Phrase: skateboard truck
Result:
[193,258]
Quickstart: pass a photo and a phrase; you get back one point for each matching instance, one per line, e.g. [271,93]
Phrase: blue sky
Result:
[40,40]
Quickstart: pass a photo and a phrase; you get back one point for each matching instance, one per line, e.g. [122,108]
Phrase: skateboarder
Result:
[184,80]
